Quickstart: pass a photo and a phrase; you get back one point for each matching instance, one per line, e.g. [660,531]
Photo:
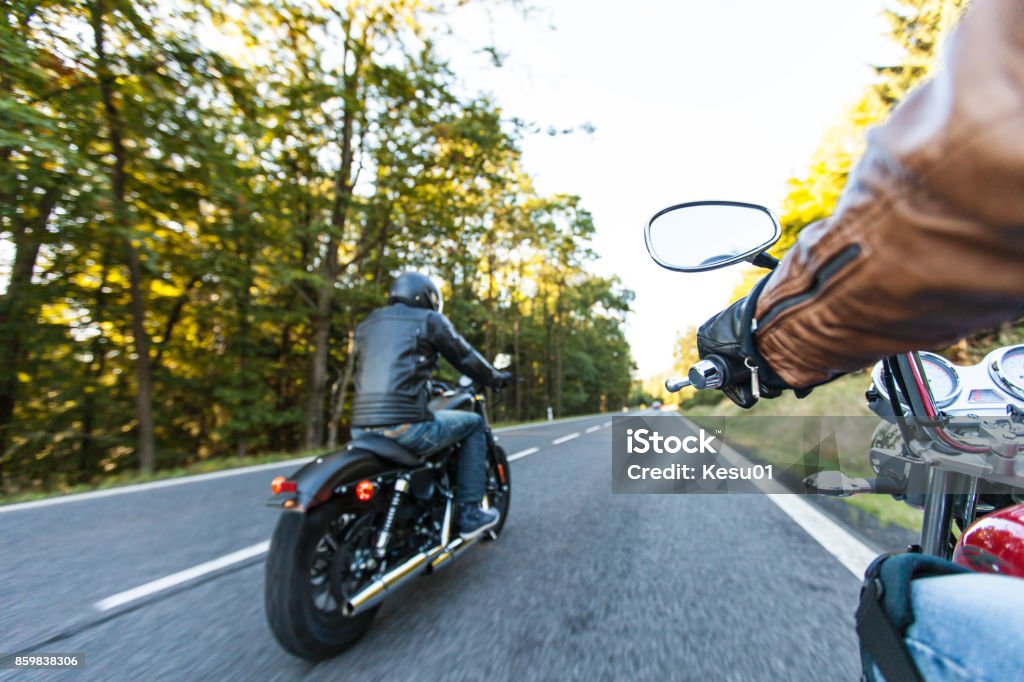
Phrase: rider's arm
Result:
[458,351]
[927,241]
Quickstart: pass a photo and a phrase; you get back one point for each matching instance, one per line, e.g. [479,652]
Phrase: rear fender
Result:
[316,481]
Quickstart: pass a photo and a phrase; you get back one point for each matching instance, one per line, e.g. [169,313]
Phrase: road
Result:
[583,584]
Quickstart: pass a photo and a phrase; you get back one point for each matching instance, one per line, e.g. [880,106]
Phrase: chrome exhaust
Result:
[375,592]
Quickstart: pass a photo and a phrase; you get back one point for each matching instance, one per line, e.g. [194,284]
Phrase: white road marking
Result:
[606,425]
[565,439]
[593,428]
[180,577]
[837,541]
[523,453]
[154,485]
[850,551]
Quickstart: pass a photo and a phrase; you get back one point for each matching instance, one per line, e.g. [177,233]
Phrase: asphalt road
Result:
[583,584]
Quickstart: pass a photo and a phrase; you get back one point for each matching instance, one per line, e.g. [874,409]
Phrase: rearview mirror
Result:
[502,360]
[706,235]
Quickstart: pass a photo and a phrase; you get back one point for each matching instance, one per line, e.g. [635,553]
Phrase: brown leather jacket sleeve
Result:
[927,241]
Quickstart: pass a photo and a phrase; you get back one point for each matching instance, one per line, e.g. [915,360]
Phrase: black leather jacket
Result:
[397,349]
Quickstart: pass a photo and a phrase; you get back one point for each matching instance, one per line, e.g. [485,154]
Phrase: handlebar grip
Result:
[711,372]
[674,385]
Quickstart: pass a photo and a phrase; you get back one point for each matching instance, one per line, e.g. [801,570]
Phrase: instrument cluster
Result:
[983,389]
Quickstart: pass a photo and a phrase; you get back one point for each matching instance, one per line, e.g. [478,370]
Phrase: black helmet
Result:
[416,290]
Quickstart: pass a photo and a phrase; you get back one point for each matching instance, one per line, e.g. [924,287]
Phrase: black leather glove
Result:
[727,340]
[502,379]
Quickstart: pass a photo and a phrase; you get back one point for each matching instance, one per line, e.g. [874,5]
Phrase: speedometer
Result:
[942,376]
[1007,370]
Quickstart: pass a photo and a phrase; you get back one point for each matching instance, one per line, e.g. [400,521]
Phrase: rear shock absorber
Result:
[401,486]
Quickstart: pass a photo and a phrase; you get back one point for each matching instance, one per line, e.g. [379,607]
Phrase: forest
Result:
[201,201]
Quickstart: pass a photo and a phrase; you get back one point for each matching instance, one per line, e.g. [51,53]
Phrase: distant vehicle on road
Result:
[656,405]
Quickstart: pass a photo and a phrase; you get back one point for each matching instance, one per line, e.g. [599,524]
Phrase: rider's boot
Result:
[473,520]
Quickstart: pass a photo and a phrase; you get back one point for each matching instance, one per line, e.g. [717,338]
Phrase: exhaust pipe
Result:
[375,592]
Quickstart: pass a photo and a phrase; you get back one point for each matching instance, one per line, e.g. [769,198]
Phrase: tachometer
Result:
[942,376]
[1007,370]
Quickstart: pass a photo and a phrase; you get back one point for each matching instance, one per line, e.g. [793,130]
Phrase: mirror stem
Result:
[764,260]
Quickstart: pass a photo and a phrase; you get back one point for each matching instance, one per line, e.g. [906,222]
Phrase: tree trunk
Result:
[140,338]
[341,389]
[329,267]
[17,310]
[321,342]
[283,439]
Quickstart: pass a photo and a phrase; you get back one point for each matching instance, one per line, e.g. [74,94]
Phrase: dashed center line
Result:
[606,424]
[253,551]
[523,453]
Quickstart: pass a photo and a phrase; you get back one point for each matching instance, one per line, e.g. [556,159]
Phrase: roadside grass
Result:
[773,440]
[133,478]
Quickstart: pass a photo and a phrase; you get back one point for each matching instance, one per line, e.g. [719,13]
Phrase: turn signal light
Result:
[282,485]
[365,490]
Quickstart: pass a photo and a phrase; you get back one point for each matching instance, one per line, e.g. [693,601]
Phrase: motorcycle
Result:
[361,522]
[951,438]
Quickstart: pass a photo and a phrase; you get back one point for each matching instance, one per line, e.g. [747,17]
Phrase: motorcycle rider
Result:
[397,349]
[925,246]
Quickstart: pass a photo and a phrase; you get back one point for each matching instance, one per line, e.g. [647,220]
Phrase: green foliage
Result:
[209,198]
[918,27]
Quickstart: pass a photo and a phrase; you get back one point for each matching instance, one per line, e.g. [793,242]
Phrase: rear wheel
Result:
[498,494]
[316,560]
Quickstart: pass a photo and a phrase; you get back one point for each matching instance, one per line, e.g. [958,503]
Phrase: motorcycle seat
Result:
[386,448]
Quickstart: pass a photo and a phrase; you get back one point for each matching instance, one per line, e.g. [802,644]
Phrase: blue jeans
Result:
[446,428]
[967,627]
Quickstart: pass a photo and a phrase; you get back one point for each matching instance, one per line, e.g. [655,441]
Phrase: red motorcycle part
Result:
[994,543]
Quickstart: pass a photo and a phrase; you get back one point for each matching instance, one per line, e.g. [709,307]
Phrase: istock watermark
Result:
[640,441]
[749,454]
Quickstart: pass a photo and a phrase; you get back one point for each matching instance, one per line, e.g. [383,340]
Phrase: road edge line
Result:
[849,550]
[181,577]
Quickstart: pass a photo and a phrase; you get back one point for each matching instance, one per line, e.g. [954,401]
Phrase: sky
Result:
[691,99]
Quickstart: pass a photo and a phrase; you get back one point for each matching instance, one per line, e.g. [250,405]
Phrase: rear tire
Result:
[290,591]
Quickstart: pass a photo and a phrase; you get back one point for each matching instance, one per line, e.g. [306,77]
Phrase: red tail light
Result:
[282,485]
[365,490]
